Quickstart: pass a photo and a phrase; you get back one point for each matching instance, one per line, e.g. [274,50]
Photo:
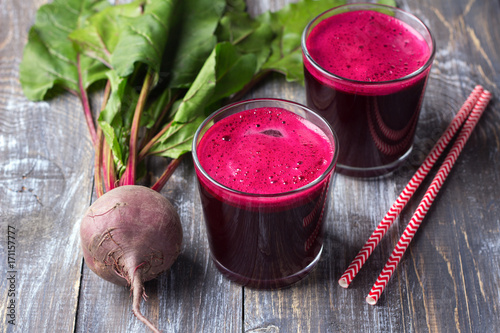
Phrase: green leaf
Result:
[192,40]
[387,2]
[98,39]
[235,5]
[144,38]
[49,58]
[116,118]
[288,25]
[233,71]
[112,140]
[247,34]
[178,139]
[120,37]
[101,32]
[200,92]
[153,112]
[387,11]
[224,73]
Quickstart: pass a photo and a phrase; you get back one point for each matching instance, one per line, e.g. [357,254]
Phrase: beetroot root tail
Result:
[137,294]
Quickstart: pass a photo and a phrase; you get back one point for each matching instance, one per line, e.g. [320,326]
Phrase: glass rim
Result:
[368,6]
[309,185]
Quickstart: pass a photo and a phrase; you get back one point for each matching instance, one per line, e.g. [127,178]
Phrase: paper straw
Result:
[410,189]
[428,199]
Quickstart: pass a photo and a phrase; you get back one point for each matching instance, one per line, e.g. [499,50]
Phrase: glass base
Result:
[373,172]
[268,284]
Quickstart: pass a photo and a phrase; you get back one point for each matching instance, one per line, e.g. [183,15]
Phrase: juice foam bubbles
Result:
[367,46]
[264,170]
[365,70]
[265,151]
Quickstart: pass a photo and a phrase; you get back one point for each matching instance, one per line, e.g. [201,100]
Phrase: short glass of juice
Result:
[366,68]
[264,169]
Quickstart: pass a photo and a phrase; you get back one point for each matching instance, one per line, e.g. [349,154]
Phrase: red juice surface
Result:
[367,46]
[265,239]
[264,151]
[374,96]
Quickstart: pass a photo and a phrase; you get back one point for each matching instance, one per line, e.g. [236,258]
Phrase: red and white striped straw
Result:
[428,199]
[358,262]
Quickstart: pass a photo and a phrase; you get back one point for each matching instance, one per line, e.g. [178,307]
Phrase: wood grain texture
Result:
[45,186]
[447,281]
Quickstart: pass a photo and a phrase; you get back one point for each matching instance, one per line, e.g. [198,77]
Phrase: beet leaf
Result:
[167,63]
[192,40]
[288,25]
[50,60]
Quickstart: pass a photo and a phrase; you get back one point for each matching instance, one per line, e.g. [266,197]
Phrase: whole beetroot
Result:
[130,235]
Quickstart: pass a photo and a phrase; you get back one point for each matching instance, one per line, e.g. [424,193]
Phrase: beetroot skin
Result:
[130,235]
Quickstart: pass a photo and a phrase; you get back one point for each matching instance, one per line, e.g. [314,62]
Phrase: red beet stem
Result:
[86,105]
[145,149]
[98,163]
[129,175]
[101,162]
[108,168]
[166,174]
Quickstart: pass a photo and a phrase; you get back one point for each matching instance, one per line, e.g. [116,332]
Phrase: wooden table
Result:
[448,280]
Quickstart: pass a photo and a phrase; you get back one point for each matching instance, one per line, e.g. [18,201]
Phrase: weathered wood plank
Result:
[447,257]
[45,185]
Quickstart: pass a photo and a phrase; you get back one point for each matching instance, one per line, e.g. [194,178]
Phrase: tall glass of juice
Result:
[264,170]
[366,68]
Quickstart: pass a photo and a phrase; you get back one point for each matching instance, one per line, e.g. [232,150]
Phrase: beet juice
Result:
[366,68]
[264,169]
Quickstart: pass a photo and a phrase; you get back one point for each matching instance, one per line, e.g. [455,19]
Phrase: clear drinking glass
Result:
[265,240]
[375,118]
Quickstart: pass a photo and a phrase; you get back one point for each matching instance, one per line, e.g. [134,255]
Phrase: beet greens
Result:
[167,64]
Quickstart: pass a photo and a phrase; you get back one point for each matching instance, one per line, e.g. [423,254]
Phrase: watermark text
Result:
[11,275]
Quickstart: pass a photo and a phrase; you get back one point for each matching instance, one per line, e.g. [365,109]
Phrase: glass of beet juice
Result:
[264,169]
[366,68]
